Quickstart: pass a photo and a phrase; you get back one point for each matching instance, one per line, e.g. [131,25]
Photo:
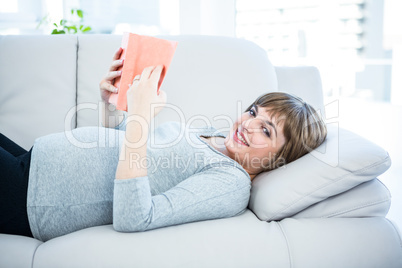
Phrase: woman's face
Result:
[254,139]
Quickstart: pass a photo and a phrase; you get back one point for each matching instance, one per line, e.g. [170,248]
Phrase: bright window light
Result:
[8,6]
[328,34]
[54,9]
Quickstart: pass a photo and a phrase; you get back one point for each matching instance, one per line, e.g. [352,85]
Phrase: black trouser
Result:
[14,172]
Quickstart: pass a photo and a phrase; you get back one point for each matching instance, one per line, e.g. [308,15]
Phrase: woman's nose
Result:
[250,125]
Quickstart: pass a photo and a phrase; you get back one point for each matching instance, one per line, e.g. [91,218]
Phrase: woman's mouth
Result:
[239,137]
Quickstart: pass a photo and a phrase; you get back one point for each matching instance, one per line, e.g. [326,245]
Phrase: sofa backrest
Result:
[51,83]
[38,85]
[210,81]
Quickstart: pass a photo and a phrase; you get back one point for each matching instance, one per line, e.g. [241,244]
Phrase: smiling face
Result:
[255,139]
[276,129]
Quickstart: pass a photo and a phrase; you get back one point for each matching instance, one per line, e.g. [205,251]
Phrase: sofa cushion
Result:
[17,251]
[38,85]
[339,242]
[93,61]
[242,241]
[342,162]
[369,199]
[302,81]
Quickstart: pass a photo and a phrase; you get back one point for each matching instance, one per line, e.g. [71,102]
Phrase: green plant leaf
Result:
[80,13]
[67,26]
[86,29]
[72,28]
[55,31]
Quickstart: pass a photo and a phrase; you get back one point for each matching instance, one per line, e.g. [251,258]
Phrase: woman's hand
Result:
[142,97]
[110,116]
[106,84]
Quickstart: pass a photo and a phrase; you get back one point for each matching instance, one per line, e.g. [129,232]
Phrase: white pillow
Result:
[342,162]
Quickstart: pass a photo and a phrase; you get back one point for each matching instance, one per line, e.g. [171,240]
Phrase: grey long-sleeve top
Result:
[72,182]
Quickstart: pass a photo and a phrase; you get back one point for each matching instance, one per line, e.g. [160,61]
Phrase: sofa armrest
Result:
[369,199]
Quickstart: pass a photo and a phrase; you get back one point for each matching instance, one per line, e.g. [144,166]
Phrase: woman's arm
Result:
[214,193]
[218,192]
[140,96]
[111,117]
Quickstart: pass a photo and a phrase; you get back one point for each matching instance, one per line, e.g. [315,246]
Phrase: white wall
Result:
[207,17]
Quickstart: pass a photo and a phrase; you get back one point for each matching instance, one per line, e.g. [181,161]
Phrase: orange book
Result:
[138,53]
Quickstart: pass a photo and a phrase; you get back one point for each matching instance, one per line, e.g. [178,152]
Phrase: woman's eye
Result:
[266,132]
[253,113]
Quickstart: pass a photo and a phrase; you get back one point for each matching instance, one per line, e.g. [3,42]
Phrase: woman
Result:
[74,185]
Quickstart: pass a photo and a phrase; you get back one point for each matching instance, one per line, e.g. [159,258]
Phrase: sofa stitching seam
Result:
[337,213]
[329,184]
[396,231]
[33,255]
[385,187]
[76,82]
[287,243]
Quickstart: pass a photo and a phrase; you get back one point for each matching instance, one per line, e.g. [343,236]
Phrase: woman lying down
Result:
[61,186]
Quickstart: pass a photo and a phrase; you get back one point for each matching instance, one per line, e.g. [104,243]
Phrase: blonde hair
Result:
[303,127]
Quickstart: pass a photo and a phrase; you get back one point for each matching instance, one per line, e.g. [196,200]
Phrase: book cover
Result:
[139,52]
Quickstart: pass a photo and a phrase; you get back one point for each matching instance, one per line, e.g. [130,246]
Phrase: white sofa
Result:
[326,209]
